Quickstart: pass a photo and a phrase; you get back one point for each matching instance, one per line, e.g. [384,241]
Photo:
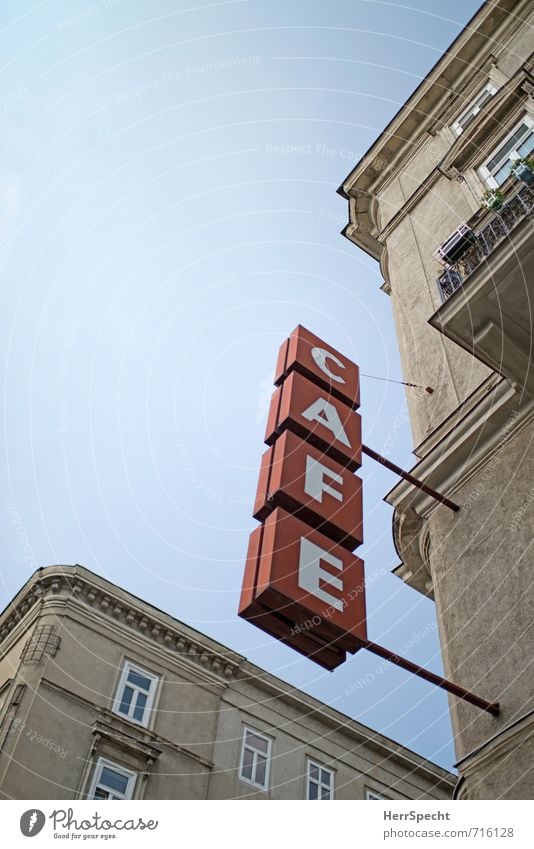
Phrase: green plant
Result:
[525,161]
[523,169]
[492,199]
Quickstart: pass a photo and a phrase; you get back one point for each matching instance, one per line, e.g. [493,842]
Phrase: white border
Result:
[97,772]
[269,742]
[128,666]
[312,762]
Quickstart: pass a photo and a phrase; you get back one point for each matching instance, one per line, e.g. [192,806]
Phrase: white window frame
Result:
[128,667]
[473,108]
[267,756]
[320,785]
[484,171]
[103,763]
[372,794]
[4,689]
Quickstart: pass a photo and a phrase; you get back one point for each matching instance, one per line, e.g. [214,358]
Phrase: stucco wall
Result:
[428,358]
[481,561]
[65,722]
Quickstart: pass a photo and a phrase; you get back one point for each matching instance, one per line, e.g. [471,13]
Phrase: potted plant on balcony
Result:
[492,199]
[523,169]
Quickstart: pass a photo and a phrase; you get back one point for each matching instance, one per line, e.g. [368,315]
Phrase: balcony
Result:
[488,293]
[486,240]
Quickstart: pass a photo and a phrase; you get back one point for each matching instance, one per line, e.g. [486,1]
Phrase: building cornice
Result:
[75,588]
[140,746]
[489,392]
[74,583]
[470,55]
[473,144]
[472,49]
[15,612]
[464,444]
[454,452]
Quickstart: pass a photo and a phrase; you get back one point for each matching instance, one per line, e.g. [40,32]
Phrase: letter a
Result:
[326,414]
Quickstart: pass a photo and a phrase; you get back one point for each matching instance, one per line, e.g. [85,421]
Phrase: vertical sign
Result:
[302,583]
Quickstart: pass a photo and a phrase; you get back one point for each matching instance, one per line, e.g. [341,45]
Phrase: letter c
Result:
[321,356]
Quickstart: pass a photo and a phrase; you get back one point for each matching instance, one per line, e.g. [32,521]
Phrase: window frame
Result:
[374,795]
[127,667]
[483,170]
[311,762]
[267,756]
[4,698]
[100,765]
[4,688]
[457,124]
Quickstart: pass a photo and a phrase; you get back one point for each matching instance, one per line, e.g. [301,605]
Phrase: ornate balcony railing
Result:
[486,240]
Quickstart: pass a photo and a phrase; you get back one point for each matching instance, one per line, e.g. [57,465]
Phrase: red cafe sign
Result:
[302,583]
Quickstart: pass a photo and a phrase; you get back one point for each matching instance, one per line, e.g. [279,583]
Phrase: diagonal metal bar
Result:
[437,496]
[455,689]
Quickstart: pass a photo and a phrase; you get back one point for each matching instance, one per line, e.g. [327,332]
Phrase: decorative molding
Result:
[498,115]
[463,95]
[141,748]
[139,735]
[460,448]
[73,584]
[491,391]
[150,628]
[412,541]
[17,610]
[384,270]
[470,52]
[429,112]
[506,741]
[463,445]
[363,227]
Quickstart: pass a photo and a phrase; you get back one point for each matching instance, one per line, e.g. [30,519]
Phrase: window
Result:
[255,757]
[518,143]
[111,781]
[474,108]
[320,782]
[135,694]
[4,689]
[370,794]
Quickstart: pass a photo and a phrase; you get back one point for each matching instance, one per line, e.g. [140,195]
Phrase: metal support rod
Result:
[455,689]
[410,478]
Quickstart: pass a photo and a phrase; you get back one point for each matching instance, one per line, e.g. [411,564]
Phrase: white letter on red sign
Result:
[314,481]
[321,356]
[326,414]
[311,573]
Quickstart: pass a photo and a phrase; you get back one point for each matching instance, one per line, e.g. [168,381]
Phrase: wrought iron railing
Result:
[486,240]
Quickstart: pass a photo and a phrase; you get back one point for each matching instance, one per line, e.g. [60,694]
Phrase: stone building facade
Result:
[457,262]
[104,696]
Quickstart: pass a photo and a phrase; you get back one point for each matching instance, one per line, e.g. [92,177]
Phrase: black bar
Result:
[408,477]
[455,689]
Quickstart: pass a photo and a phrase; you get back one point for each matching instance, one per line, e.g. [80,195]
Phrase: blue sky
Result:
[169,214]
